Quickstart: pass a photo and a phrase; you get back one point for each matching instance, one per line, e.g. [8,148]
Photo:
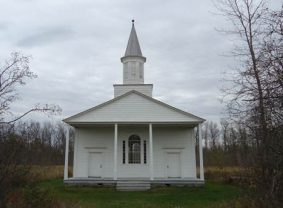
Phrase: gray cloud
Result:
[45,37]
[76,48]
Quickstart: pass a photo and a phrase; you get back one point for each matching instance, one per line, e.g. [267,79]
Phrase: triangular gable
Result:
[133,107]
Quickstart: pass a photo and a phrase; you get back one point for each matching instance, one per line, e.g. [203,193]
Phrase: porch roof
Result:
[145,124]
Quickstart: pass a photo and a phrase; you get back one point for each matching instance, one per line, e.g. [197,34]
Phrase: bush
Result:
[31,196]
[235,175]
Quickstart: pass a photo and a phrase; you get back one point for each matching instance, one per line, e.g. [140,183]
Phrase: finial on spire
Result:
[133,47]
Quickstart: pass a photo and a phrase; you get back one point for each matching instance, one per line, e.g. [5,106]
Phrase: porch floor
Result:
[156,182]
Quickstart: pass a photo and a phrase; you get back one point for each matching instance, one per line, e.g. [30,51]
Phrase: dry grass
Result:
[41,173]
[228,174]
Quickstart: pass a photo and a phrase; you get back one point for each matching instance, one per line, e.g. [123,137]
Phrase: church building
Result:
[134,141]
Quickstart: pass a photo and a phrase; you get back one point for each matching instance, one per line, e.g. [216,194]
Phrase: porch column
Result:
[200,153]
[150,152]
[66,155]
[115,151]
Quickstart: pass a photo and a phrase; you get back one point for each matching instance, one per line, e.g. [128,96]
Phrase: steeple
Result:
[133,47]
[133,60]
[133,68]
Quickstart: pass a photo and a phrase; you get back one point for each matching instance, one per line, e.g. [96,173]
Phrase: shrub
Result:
[31,196]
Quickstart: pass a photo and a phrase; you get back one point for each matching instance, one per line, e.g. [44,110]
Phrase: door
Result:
[95,164]
[173,165]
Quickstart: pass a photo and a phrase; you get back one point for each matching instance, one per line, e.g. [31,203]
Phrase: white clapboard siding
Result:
[142,88]
[133,107]
[165,139]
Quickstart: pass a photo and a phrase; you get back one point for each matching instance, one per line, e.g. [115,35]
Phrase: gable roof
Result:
[133,107]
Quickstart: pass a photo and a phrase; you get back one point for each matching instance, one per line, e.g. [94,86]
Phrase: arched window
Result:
[134,149]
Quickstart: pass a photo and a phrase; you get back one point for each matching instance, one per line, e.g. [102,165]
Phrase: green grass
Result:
[212,195]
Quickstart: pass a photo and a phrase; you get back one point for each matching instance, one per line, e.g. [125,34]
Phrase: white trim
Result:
[173,148]
[115,151]
[201,171]
[95,147]
[66,154]
[142,151]
[151,152]
[75,153]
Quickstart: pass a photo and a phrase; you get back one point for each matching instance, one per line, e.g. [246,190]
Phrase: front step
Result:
[130,185]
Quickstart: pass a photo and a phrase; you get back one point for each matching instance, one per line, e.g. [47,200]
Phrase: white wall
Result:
[174,139]
[134,108]
[165,139]
[93,140]
[142,88]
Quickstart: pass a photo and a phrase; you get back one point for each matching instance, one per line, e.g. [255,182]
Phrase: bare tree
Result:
[257,91]
[13,74]
[205,134]
[14,160]
[213,132]
[224,128]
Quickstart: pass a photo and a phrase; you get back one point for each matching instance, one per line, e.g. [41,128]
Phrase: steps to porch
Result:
[132,185]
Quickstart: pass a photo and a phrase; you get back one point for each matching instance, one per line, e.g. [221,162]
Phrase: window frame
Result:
[143,153]
[134,149]
[124,152]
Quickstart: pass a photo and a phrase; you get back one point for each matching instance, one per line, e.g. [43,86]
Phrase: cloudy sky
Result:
[76,47]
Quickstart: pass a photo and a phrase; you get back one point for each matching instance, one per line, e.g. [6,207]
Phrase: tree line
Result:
[39,143]
[26,144]
[226,145]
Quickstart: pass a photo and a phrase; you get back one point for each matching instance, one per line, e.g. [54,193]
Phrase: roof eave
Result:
[177,123]
[133,56]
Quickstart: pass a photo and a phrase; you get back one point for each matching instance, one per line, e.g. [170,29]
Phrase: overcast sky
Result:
[76,47]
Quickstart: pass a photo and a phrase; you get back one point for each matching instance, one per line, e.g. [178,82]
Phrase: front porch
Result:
[135,184]
[170,147]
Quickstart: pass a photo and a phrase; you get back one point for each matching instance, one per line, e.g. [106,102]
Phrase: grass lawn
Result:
[212,195]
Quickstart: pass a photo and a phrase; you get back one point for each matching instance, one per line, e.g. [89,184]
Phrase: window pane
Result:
[134,149]
[124,152]
[144,152]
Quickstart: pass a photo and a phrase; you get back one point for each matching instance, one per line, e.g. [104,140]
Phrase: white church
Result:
[133,141]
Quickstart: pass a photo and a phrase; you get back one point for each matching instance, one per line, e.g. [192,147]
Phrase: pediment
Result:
[133,107]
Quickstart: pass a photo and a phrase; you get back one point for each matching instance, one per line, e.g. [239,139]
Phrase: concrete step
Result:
[122,188]
[133,185]
[133,189]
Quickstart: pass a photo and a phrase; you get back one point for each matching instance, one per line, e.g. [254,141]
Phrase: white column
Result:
[66,154]
[200,153]
[115,151]
[150,152]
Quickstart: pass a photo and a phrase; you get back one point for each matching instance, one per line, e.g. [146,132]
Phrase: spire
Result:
[133,47]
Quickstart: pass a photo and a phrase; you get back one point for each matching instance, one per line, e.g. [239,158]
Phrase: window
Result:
[126,73]
[134,149]
[124,151]
[141,70]
[144,152]
[133,69]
